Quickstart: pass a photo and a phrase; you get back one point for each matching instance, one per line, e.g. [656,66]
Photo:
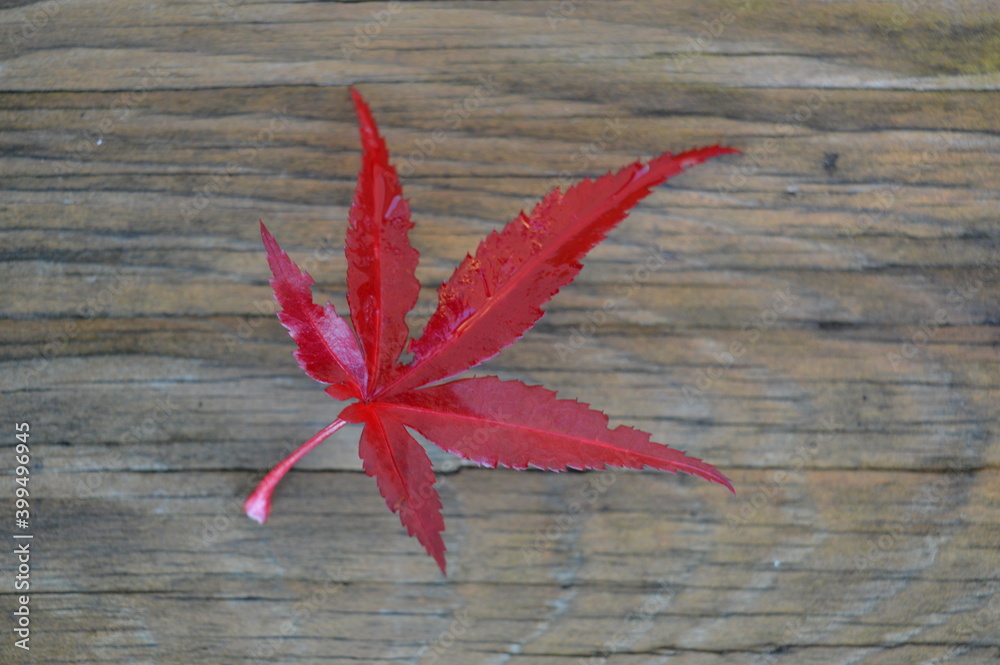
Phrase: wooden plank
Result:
[818,317]
[647,564]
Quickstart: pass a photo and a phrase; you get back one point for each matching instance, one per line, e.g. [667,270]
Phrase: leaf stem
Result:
[258,504]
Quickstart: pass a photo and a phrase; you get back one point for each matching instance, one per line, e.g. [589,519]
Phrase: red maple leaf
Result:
[491,300]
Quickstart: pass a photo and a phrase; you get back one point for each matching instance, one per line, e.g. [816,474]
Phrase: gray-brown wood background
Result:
[850,256]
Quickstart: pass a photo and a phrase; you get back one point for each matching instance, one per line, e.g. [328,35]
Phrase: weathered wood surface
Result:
[853,252]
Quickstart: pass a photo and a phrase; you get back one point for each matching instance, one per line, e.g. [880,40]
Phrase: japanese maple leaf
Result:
[492,299]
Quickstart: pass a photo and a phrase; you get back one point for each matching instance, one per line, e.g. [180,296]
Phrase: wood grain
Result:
[818,317]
